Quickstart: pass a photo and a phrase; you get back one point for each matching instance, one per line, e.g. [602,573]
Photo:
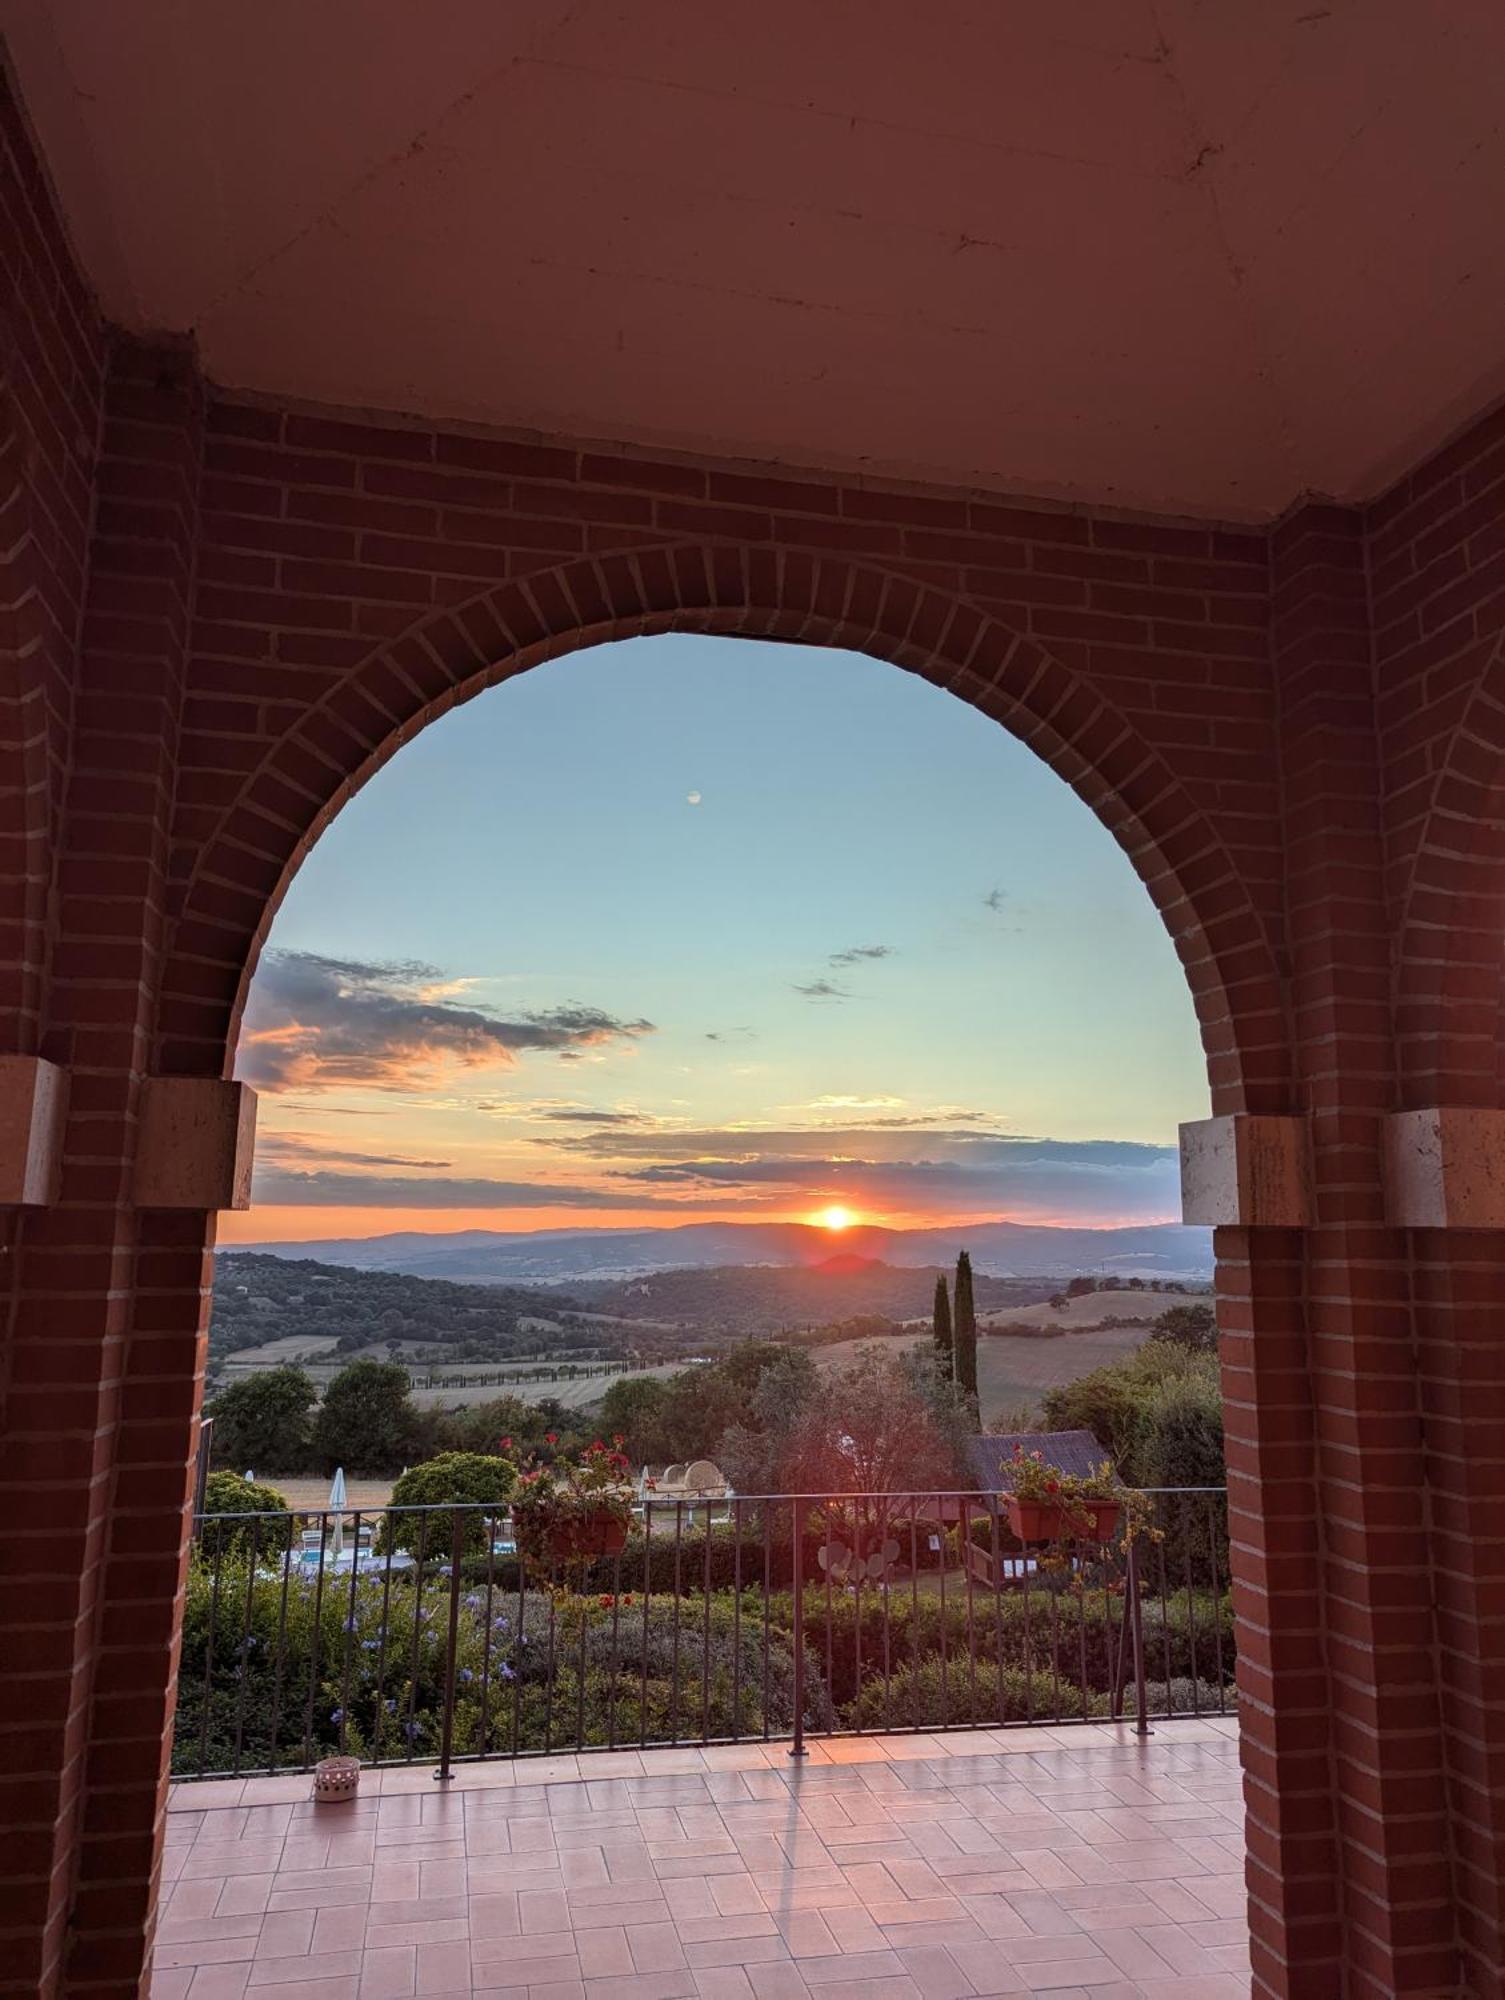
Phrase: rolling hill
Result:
[548,1257]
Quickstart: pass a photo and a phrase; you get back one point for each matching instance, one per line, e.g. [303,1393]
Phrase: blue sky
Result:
[679,927]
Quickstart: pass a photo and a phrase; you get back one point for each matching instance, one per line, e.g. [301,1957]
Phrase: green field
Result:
[1013,1370]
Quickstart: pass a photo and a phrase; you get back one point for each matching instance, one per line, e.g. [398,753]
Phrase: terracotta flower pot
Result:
[1042,1521]
[601,1535]
[336,1779]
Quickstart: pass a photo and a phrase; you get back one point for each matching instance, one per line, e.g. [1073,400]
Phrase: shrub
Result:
[277,1673]
[270,1533]
[686,1564]
[452,1477]
[1108,1402]
[1071,1638]
[929,1695]
[1177,1434]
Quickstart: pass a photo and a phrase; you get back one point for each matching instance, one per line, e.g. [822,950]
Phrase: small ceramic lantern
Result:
[336,1779]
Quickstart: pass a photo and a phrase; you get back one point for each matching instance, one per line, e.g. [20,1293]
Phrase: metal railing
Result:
[410,1635]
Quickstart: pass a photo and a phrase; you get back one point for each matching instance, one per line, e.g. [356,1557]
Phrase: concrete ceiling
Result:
[1191,255]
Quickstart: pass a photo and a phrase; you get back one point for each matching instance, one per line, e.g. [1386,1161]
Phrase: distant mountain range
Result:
[999,1249]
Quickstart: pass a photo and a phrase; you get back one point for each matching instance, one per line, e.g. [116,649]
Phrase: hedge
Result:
[275,1673]
[1073,1639]
[930,1696]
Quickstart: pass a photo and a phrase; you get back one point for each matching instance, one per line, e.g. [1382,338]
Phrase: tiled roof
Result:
[1067,1451]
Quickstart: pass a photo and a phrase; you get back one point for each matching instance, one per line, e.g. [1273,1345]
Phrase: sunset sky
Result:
[680,929]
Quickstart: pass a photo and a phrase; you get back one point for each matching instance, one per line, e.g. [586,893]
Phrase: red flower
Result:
[1052,1485]
[605,1600]
[618,1440]
[551,1437]
[505,1443]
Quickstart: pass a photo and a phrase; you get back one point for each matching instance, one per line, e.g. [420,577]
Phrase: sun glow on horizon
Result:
[836,1218]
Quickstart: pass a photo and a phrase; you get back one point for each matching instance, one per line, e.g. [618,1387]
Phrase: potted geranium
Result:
[574,1512]
[1047,1505]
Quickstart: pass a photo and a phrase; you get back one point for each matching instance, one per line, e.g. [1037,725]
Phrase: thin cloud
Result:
[1049,1181]
[877,1138]
[995,901]
[856,954]
[315,1023]
[285,1187]
[823,989]
[568,1116]
[292,1149]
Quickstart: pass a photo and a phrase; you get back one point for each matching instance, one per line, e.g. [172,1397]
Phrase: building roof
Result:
[1067,1451]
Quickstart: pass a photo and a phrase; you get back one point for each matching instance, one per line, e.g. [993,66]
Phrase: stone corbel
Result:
[1445,1169]
[194,1143]
[33,1106]
[1247,1171]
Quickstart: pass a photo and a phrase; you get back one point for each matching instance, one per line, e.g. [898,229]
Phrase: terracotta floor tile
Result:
[333,1930]
[389,1974]
[1075,1862]
[304,1967]
[442,1969]
[821,1972]
[737,1951]
[696,1930]
[644,1986]
[220,1982]
[380,1937]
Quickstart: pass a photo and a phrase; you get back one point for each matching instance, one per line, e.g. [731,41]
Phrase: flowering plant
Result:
[552,1501]
[1033,1479]
[1076,1496]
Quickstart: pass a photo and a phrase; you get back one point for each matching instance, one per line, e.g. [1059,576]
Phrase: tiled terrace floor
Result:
[1067,1862]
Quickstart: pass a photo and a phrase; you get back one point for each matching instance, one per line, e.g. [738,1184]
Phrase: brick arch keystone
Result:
[230,889]
[1449,979]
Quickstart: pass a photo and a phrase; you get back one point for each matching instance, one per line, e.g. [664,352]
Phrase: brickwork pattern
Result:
[308,673]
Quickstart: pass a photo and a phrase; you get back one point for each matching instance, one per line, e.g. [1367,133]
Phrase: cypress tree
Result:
[964,1338]
[940,1324]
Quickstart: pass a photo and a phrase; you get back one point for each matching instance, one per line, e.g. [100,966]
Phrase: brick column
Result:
[1375,1626]
[1446,1175]
[91,1571]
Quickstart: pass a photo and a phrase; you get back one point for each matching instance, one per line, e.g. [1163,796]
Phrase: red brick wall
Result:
[355,577]
[103,1377]
[1437,552]
[52,357]
[1436,549]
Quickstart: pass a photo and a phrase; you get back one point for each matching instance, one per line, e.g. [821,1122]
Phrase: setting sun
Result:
[835,1219]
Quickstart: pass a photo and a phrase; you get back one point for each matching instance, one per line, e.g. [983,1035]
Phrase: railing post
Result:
[447,1728]
[797,1747]
[1136,1628]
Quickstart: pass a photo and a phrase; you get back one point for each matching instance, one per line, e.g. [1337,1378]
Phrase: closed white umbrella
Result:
[336,1507]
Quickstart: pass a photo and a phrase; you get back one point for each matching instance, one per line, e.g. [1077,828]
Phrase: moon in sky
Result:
[692,798]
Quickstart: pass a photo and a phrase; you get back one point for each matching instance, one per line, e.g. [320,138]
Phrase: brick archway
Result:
[234,884]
